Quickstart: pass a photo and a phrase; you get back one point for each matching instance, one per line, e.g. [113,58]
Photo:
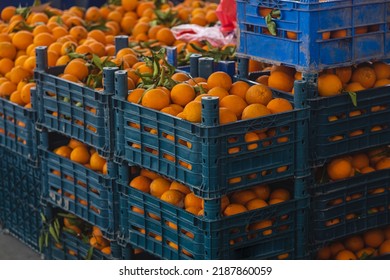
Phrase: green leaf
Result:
[44,220]
[68,230]
[40,242]
[46,239]
[54,234]
[89,254]
[353,97]
[97,62]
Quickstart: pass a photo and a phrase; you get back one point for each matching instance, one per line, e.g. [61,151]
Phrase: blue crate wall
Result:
[309,52]
[77,189]
[169,232]
[20,193]
[75,110]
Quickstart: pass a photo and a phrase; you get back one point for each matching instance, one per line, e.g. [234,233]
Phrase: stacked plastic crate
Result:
[338,125]
[203,158]
[66,111]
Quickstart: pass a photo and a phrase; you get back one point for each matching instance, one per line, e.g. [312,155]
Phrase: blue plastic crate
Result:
[20,189]
[200,155]
[351,205]
[17,129]
[330,137]
[309,19]
[192,233]
[77,189]
[75,110]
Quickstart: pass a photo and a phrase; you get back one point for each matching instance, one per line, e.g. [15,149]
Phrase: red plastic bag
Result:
[227,15]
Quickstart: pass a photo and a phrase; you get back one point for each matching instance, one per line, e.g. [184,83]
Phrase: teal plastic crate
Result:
[75,110]
[169,232]
[77,189]
[335,119]
[310,22]
[200,155]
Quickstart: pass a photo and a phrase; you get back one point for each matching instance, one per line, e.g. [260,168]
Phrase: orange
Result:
[63,151]
[149,174]
[344,74]
[353,87]
[78,69]
[191,200]
[135,95]
[173,197]
[73,143]
[263,80]
[97,162]
[354,243]
[80,155]
[165,36]
[159,186]
[279,105]
[7,50]
[179,187]
[182,94]
[93,14]
[22,39]
[7,13]
[384,163]
[15,98]
[234,103]
[280,193]
[384,248]
[381,83]
[360,161]
[98,242]
[382,70]
[256,203]
[261,191]
[329,85]
[141,183]
[345,255]
[242,197]
[364,75]
[219,79]
[192,112]
[43,39]
[218,92]
[374,237]
[152,33]
[335,248]
[129,5]
[25,93]
[339,169]
[226,116]
[144,6]
[281,81]
[234,209]
[78,33]
[155,99]
[18,74]
[259,94]
[6,65]
[255,111]
[239,88]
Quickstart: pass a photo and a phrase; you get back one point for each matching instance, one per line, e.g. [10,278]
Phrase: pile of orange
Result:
[370,244]
[237,101]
